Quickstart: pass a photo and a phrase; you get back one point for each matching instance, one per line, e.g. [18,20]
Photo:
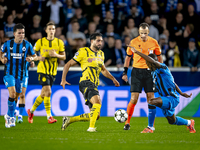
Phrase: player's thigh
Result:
[136,80]
[9,81]
[46,90]
[134,97]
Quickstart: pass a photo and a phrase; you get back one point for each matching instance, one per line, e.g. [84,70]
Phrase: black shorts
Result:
[141,78]
[45,79]
[88,89]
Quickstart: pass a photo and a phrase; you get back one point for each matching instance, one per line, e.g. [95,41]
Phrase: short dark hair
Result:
[154,56]
[94,35]
[144,25]
[18,26]
[50,24]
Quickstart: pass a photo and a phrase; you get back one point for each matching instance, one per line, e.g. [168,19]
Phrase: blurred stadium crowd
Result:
[173,23]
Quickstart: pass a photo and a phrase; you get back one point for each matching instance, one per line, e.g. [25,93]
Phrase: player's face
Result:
[50,30]
[19,35]
[144,33]
[97,43]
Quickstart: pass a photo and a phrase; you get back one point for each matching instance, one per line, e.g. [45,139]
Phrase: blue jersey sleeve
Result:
[31,52]
[4,47]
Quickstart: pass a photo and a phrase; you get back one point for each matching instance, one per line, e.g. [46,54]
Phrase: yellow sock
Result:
[47,106]
[93,114]
[38,101]
[83,117]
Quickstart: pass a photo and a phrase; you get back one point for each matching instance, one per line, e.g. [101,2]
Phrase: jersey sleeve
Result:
[128,50]
[61,46]
[157,49]
[79,55]
[32,52]
[37,45]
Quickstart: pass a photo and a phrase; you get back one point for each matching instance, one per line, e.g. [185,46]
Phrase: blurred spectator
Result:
[172,54]
[171,5]
[88,9]
[120,53]
[135,15]
[35,30]
[109,52]
[75,34]
[20,17]
[177,29]
[58,32]
[30,9]
[192,56]
[68,11]
[153,31]
[54,12]
[164,46]
[79,44]
[193,18]
[130,29]
[162,25]
[187,34]
[68,51]
[154,13]
[107,5]
[99,26]
[9,26]
[110,32]
[166,33]
[81,19]
[2,17]
[197,2]
[126,42]
[91,30]
[109,19]
[138,7]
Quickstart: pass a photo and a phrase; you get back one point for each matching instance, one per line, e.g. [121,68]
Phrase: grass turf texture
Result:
[109,135]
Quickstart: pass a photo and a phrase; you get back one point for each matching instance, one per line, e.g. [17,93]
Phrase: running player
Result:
[91,60]
[14,54]
[167,90]
[51,49]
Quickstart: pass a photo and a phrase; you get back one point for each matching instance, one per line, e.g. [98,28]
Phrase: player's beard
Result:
[97,47]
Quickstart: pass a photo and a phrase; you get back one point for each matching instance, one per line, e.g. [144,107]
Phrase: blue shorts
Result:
[169,104]
[10,81]
[25,82]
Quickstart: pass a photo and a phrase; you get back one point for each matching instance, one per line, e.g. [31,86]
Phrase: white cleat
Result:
[66,123]
[12,121]
[91,129]
[7,121]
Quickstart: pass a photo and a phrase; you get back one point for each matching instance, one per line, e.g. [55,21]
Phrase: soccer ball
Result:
[121,115]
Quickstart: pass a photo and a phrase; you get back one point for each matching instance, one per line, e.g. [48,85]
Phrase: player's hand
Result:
[53,53]
[32,64]
[4,60]
[41,58]
[125,77]
[132,48]
[29,59]
[116,82]
[62,83]
[186,95]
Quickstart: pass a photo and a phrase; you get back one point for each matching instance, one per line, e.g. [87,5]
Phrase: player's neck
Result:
[50,37]
[93,49]
[144,40]
[18,41]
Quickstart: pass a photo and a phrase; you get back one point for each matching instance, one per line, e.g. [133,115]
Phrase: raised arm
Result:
[126,65]
[108,75]
[147,58]
[65,71]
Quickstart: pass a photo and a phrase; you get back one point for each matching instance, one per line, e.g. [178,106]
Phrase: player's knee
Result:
[171,121]
[22,95]
[48,93]
[153,102]
[98,117]
[13,94]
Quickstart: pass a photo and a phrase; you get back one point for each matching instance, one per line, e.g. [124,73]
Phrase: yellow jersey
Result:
[91,63]
[49,66]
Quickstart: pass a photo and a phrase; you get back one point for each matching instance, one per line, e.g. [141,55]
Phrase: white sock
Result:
[189,122]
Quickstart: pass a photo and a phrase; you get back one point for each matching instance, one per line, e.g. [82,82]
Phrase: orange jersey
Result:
[148,47]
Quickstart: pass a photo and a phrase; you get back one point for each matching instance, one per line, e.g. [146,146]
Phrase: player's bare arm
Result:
[107,74]
[160,59]
[32,58]
[147,58]
[61,55]
[181,93]
[3,59]
[126,65]
[65,71]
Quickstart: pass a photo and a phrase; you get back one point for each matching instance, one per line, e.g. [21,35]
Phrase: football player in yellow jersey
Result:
[51,49]
[91,60]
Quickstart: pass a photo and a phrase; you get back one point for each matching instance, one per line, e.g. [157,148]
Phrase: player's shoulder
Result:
[152,40]
[136,39]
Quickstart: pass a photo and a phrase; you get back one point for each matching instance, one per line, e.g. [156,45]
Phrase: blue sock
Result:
[11,107]
[152,115]
[181,121]
[21,109]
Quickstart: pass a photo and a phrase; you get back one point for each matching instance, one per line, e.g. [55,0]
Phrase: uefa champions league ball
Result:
[121,115]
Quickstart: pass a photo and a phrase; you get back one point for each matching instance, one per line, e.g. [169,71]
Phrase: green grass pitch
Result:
[109,136]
